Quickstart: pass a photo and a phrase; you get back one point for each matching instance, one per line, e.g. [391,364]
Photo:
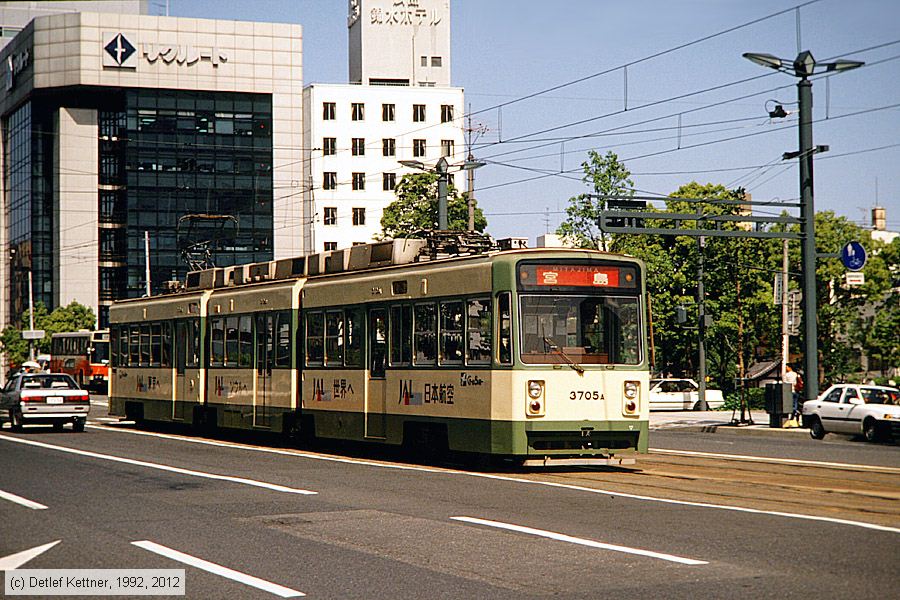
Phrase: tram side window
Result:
[145,344]
[504,348]
[167,344]
[451,328]
[424,328]
[334,338]
[354,319]
[315,338]
[401,335]
[192,344]
[155,344]
[478,334]
[232,344]
[245,341]
[283,339]
[134,346]
[217,343]
[113,346]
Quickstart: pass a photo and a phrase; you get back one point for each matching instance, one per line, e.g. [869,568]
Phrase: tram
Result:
[532,355]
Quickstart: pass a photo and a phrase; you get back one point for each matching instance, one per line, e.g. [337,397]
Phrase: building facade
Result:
[355,137]
[14,16]
[398,106]
[118,128]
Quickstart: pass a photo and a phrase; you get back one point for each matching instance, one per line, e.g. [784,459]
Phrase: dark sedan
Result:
[44,398]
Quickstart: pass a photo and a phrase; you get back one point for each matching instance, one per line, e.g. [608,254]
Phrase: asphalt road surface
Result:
[705,515]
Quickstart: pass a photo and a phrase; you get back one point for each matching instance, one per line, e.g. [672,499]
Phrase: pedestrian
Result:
[793,378]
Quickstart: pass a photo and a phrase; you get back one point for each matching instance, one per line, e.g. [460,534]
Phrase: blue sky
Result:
[503,51]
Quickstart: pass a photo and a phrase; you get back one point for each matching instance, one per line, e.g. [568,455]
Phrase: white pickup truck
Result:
[869,410]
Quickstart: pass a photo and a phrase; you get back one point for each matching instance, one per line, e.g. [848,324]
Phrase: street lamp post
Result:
[442,170]
[803,67]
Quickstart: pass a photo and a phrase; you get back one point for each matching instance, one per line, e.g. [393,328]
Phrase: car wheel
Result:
[816,431]
[15,420]
[870,430]
[78,424]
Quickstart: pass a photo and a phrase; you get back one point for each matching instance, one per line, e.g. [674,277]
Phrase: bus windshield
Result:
[580,329]
[100,351]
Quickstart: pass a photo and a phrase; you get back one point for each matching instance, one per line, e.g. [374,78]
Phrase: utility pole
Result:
[30,313]
[442,169]
[803,67]
[701,328]
[147,260]
[785,337]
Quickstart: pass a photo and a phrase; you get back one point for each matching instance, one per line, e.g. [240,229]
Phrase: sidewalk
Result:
[713,421]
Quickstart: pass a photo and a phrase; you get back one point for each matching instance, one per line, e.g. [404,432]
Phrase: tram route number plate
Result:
[586,395]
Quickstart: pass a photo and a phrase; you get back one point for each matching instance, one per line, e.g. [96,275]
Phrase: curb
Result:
[730,429]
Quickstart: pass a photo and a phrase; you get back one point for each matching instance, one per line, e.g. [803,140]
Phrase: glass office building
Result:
[116,130]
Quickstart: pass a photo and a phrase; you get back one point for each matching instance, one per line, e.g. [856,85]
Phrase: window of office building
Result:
[387,112]
[329,180]
[436,61]
[359,216]
[446,147]
[328,246]
[359,182]
[358,146]
[389,181]
[329,146]
[418,113]
[330,215]
[389,147]
[418,148]
[329,111]
[423,60]
[446,113]
[357,111]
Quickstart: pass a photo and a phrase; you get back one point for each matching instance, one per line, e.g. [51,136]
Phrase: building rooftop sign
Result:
[120,51]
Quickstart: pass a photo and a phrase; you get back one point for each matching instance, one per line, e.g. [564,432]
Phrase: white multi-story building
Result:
[355,137]
[398,106]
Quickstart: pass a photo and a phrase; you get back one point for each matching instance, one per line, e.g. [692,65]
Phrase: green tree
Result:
[606,176]
[416,208]
[73,317]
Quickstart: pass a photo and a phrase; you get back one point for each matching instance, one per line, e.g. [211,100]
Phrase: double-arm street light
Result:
[803,67]
[442,169]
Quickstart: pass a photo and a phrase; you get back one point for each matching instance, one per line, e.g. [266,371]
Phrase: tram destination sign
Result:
[537,276]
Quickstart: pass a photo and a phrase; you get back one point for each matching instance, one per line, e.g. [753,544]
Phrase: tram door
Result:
[186,390]
[376,388]
[265,358]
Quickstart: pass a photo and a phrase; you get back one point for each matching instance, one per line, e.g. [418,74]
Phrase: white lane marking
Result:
[14,561]
[107,419]
[784,461]
[262,584]
[140,463]
[23,501]
[561,537]
[566,486]
[93,403]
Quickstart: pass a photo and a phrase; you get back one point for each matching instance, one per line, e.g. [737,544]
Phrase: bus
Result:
[84,355]
[534,356]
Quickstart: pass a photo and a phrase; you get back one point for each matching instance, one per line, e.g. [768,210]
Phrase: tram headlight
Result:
[535,398]
[630,392]
[535,389]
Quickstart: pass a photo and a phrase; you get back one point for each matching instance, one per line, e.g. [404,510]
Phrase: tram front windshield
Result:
[582,329]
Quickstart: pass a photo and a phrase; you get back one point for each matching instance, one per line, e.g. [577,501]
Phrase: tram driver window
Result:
[504,347]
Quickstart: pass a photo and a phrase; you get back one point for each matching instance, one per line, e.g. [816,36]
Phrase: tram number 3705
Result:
[586,395]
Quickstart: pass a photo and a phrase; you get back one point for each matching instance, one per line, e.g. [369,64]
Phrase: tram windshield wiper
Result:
[575,366]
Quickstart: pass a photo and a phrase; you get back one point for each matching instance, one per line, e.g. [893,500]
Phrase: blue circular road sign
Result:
[853,255]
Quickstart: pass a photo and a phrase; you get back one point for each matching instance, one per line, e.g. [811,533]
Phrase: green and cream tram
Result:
[531,354]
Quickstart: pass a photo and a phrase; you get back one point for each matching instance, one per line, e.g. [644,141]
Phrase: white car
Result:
[869,410]
[681,394]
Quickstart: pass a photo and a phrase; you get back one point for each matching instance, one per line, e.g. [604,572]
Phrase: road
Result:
[683,523]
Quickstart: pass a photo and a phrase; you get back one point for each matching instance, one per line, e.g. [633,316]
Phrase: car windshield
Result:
[880,396]
[580,329]
[47,382]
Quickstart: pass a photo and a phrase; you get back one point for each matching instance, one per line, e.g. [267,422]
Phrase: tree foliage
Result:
[416,208]
[73,317]
[606,176]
